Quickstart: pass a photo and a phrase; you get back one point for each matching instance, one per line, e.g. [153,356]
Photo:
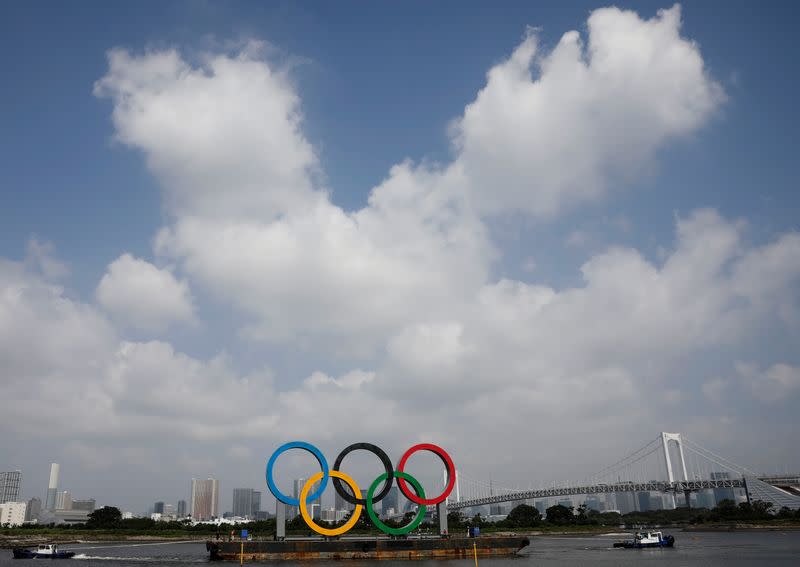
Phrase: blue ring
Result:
[320,459]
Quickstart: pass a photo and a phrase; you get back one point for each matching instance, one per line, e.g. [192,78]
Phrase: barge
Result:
[374,549]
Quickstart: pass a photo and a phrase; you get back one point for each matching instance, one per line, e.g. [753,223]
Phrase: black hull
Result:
[372,549]
[20,553]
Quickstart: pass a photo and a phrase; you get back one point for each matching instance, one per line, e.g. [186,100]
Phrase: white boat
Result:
[647,539]
[47,551]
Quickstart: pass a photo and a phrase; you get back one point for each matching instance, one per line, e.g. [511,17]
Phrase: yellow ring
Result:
[310,521]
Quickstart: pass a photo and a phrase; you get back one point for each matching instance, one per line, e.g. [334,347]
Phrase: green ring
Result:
[374,517]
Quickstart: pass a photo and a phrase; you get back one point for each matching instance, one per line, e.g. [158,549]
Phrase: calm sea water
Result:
[691,549]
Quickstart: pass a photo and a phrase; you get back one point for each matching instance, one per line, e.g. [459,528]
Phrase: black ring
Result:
[387,464]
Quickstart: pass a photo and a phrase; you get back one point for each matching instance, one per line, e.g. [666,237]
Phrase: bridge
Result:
[703,470]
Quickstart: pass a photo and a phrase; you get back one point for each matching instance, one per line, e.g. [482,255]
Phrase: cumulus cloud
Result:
[250,224]
[550,130]
[223,136]
[140,295]
[521,353]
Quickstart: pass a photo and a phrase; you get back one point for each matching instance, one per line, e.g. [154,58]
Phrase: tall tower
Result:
[9,486]
[205,499]
[243,502]
[665,439]
[52,487]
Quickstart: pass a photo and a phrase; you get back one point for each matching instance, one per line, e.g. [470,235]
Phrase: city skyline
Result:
[535,235]
[246,502]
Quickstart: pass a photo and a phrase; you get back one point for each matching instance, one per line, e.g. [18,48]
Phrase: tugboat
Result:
[647,539]
[49,551]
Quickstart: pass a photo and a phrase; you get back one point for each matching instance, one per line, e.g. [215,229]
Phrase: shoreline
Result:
[28,540]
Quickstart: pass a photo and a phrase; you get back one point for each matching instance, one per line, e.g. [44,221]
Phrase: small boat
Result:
[647,539]
[49,551]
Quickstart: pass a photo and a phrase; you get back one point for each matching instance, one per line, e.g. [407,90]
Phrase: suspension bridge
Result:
[679,465]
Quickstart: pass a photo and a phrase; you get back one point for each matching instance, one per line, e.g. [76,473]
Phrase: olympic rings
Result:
[310,521]
[387,465]
[355,497]
[451,474]
[374,517]
[306,447]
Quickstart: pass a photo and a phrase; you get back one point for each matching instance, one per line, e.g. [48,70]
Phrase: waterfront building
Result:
[87,505]
[10,483]
[33,510]
[12,513]
[642,501]
[566,503]
[62,517]
[389,502]
[256,504]
[52,487]
[181,508]
[205,499]
[705,499]
[244,502]
[64,500]
[721,494]
[293,511]
[626,502]
[158,508]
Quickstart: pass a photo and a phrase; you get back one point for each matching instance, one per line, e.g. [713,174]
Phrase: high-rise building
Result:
[643,501]
[10,483]
[293,511]
[33,510]
[705,499]
[244,502]
[12,513]
[64,500]
[205,499]
[626,502]
[721,494]
[87,505]
[158,508]
[181,512]
[52,487]
[389,504]
[256,504]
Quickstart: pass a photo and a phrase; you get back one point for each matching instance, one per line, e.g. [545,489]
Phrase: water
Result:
[691,549]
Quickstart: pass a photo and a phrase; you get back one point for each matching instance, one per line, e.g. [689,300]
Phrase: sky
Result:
[536,236]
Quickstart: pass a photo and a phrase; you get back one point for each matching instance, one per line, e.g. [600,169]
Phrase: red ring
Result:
[451,474]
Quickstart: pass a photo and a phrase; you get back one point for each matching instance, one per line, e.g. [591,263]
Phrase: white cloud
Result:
[550,130]
[140,295]
[223,137]
[251,226]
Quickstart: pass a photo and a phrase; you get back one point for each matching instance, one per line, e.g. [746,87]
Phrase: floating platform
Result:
[375,548]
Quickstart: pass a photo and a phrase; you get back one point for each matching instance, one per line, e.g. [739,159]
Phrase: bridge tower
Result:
[676,437]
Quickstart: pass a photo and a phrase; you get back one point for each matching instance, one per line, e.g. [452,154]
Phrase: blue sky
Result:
[377,83]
